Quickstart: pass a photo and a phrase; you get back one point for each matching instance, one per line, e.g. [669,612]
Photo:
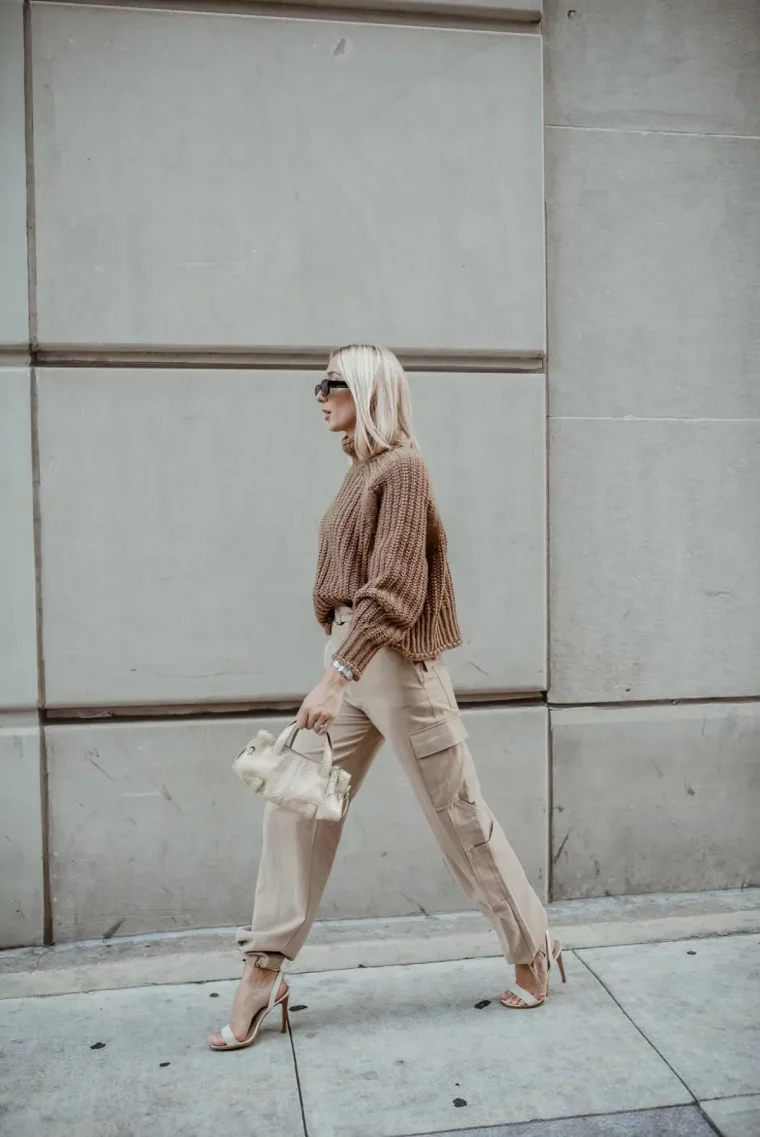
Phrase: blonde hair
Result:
[383,404]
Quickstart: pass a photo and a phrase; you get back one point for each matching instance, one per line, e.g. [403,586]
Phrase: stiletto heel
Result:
[285,1014]
[560,961]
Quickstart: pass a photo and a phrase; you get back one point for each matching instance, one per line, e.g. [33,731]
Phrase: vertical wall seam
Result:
[31,220]
[47,891]
[547,517]
[31,246]
[41,695]
[549,808]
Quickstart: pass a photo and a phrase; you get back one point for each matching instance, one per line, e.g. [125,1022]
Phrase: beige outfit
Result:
[412,705]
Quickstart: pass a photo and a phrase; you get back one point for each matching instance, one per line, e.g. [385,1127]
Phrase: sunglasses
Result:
[327,385]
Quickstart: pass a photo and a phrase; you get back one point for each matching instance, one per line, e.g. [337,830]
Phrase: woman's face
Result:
[338,405]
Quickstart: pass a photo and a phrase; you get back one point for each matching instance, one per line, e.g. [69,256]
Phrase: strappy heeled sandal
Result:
[232,1043]
[527,999]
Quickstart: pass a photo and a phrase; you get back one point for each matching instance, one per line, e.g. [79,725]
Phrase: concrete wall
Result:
[21,808]
[150,830]
[282,155]
[653,229]
[210,189]
[216,198]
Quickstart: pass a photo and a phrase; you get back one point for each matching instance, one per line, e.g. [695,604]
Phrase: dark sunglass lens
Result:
[327,385]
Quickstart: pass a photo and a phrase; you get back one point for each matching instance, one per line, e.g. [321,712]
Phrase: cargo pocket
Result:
[489,866]
[441,760]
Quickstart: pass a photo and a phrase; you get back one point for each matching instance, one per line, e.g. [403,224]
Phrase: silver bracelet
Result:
[343,668]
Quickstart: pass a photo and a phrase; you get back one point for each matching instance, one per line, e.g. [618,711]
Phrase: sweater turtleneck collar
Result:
[349,448]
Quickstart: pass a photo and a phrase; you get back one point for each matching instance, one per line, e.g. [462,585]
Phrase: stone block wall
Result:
[197,206]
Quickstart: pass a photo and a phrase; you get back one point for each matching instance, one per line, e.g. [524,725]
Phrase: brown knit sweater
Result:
[382,550]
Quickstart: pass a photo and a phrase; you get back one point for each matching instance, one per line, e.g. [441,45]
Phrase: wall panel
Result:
[21,887]
[653,268]
[301,182]
[655,799]
[14,312]
[151,831]
[654,65]
[655,560]
[179,530]
[18,635]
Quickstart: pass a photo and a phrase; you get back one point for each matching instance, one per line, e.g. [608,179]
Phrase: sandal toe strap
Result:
[228,1036]
[526,997]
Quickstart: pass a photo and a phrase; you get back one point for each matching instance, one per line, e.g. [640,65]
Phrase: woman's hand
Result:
[321,706]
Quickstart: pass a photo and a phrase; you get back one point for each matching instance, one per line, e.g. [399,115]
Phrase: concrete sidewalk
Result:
[645,1040]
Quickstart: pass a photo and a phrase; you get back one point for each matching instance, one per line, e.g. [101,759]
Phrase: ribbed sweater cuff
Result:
[357,651]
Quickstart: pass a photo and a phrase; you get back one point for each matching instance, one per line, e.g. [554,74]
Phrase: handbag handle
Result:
[288,737]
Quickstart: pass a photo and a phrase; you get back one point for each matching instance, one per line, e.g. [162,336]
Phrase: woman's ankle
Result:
[265,960]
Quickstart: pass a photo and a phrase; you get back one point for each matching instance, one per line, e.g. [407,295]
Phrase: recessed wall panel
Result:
[653,271]
[654,65]
[21,886]
[179,530]
[151,830]
[14,312]
[655,555]
[207,178]
[655,799]
[18,634]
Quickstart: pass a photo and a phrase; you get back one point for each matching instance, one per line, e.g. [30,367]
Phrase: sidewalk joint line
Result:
[298,1081]
[709,1120]
[561,1117]
[648,1041]
[727,1097]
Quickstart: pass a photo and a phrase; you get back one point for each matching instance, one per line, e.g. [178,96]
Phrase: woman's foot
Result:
[252,995]
[532,978]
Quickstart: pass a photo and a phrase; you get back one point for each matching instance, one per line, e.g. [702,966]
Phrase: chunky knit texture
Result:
[382,550]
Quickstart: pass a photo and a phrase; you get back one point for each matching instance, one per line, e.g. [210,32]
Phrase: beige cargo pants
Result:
[412,705]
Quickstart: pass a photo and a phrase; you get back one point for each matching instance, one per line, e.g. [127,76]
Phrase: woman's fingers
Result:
[319,710]
[309,716]
[314,716]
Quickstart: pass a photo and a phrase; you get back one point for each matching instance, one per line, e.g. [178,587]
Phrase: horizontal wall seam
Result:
[648,130]
[57,716]
[646,418]
[214,357]
[695,701]
[15,355]
[414,13]
[208,712]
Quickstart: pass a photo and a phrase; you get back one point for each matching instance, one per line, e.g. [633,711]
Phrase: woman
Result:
[383,593]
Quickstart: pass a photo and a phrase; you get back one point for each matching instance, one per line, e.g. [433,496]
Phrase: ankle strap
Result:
[267,962]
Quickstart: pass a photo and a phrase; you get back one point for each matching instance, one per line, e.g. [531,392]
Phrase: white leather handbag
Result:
[308,785]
